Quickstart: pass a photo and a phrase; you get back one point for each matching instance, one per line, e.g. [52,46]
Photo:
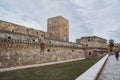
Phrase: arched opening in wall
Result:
[89,53]
[86,44]
[72,50]
[12,31]
[9,37]
[48,50]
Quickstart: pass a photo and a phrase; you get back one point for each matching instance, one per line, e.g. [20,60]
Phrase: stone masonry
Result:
[94,46]
[20,45]
[58,28]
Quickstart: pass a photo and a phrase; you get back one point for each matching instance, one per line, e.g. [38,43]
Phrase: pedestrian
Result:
[117,55]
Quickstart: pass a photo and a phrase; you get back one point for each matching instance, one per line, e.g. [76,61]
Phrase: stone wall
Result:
[92,41]
[18,53]
[94,46]
[15,28]
[20,45]
[54,42]
[15,52]
[95,52]
[17,37]
[18,49]
[58,28]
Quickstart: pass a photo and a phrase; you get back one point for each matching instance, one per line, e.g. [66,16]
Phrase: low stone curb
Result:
[92,73]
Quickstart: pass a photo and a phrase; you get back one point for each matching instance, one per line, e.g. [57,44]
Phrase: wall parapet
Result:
[17,37]
[95,69]
[52,42]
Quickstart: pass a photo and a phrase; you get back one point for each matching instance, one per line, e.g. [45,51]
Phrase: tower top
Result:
[58,27]
[58,17]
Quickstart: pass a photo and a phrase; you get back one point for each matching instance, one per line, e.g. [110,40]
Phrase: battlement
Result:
[18,37]
[53,42]
[21,45]
[8,26]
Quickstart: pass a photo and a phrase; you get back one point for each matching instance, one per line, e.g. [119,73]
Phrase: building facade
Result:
[117,46]
[94,46]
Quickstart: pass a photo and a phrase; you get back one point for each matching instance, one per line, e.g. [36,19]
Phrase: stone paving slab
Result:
[111,71]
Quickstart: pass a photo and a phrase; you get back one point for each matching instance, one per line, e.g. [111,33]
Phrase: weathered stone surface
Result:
[58,28]
[20,45]
[94,46]
[31,55]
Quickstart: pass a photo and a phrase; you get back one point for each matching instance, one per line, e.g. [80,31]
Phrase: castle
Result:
[93,45]
[20,45]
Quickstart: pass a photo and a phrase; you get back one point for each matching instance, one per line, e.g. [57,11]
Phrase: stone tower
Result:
[58,28]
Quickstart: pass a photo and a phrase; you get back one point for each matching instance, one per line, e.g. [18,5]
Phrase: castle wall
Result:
[18,49]
[19,53]
[16,52]
[15,28]
[95,52]
[20,45]
[92,41]
[7,26]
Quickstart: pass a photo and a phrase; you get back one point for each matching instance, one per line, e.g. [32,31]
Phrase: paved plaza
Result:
[111,71]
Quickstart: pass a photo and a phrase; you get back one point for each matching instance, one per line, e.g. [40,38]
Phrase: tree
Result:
[111,44]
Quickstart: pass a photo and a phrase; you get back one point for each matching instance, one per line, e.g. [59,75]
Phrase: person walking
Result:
[117,55]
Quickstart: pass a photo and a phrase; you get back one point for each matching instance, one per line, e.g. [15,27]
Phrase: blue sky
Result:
[86,17]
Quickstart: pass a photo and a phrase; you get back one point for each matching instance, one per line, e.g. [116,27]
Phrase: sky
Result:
[86,17]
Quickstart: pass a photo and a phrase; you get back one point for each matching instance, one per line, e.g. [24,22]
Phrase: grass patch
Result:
[63,71]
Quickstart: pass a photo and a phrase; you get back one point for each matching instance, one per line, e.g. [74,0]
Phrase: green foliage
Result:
[111,41]
[63,71]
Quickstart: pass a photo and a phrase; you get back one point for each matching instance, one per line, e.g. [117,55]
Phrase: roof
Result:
[92,37]
[58,18]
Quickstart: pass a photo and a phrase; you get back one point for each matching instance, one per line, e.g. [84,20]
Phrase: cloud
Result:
[86,17]
[102,16]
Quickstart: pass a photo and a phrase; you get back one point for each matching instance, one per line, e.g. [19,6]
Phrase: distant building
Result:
[117,46]
[93,45]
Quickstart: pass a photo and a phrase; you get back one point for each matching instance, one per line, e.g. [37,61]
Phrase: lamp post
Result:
[111,44]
